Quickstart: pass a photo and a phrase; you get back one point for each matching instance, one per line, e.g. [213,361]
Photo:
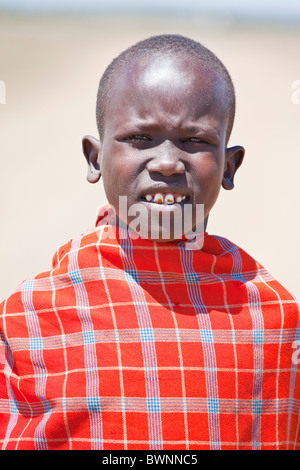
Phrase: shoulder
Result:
[244,267]
[36,292]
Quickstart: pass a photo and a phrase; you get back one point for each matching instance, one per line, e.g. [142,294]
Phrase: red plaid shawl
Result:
[129,344]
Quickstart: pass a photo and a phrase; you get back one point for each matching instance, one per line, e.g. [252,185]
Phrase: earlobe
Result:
[91,151]
[234,159]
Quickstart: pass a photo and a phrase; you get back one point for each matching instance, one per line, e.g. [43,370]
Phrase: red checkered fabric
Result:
[130,344]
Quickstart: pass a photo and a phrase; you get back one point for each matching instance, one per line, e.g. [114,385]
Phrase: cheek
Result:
[118,180]
[110,165]
[209,176]
[209,185]
[110,183]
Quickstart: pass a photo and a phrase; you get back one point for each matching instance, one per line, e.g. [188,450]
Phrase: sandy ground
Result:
[51,67]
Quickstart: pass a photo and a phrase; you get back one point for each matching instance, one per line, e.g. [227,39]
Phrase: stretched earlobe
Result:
[91,150]
[234,159]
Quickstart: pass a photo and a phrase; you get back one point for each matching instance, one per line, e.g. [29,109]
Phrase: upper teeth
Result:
[161,199]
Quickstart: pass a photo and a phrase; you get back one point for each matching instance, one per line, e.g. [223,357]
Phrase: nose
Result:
[166,160]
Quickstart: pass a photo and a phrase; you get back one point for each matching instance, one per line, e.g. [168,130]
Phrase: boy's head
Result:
[165,110]
[172,45]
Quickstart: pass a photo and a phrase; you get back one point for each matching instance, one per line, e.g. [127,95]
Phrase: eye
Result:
[136,137]
[195,140]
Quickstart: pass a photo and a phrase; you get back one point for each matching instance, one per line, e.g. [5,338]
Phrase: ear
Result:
[91,151]
[233,159]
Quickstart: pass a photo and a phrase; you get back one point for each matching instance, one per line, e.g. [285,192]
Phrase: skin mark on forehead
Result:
[168,75]
[179,91]
[164,71]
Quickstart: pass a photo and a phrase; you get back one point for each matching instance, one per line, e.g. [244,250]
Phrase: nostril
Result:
[166,166]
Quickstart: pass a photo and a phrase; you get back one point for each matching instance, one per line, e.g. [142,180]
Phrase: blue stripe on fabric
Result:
[93,404]
[30,312]
[75,277]
[155,444]
[297,335]
[13,406]
[206,336]
[256,407]
[258,336]
[147,335]
[213,405]
[194,292]
[238,277]
[131,275]
[28,285]
[153,405]
[90,356]
[47,406]
[91,369]
[148,347]
[36,344]
[88,337]
[34,333]
[254,303]
[191,278]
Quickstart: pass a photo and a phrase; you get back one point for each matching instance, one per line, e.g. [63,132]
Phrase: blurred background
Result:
[52,54]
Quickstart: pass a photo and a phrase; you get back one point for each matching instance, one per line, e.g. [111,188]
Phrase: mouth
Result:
[166,199]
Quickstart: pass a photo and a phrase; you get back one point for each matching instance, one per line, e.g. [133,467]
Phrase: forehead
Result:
[169,85]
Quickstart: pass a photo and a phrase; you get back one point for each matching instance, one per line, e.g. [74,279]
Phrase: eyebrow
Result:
[144,126]
[193,130]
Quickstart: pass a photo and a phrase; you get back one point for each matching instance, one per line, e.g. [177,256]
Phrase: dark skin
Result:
[165,132]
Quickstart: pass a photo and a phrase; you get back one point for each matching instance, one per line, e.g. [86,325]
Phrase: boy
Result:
[149,333]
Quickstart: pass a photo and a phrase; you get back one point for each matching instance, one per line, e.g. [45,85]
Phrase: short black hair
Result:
[174,44]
